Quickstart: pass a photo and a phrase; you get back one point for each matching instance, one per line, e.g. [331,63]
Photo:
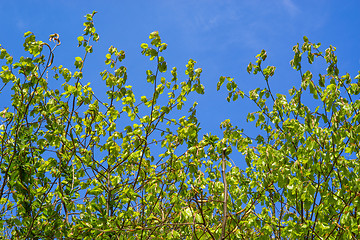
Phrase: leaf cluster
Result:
[76,166]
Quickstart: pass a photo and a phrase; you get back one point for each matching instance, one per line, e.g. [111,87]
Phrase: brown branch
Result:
[225,195]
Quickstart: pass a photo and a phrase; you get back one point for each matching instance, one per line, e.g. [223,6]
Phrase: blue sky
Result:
[222,36]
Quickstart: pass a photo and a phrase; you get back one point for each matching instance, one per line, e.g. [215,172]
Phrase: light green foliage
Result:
[74,166]
[304,169]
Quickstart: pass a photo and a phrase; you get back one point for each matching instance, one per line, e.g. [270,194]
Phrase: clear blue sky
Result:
[222,36]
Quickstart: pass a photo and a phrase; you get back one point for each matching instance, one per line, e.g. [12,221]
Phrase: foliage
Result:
[76,166]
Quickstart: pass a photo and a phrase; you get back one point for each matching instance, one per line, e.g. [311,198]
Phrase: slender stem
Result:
[225,195]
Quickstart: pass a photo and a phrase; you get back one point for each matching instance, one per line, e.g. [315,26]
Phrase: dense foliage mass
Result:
[75,166]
